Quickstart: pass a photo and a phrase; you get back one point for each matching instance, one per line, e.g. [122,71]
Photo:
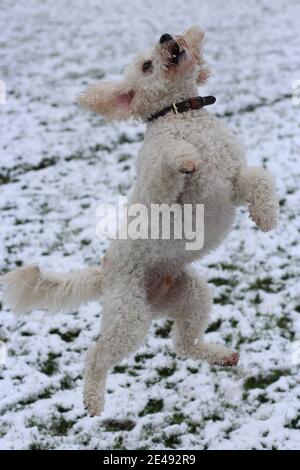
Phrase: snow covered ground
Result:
[57,163]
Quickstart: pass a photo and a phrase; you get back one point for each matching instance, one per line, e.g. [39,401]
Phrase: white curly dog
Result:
[186,158]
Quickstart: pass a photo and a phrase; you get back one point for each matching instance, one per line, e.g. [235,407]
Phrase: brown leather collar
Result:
[193,103]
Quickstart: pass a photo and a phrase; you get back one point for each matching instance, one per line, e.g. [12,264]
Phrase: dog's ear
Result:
[111,100]
[194,38]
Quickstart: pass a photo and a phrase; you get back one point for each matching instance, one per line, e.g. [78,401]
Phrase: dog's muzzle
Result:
[171,46]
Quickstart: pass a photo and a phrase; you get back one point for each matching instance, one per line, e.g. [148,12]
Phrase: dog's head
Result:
[170,72]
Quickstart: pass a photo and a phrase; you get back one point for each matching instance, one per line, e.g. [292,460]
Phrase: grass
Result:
[58,426]
[167,371]
[171,441]
[66,383]
[219,281]
[143,357]
[177,418]
[164,331]
[119,444]
[294,423]
[113,425]
[223,299]
[50,366]
[45,394]
[68,337]
[266,284]
[261,381]
[40,446]
[153,406]
[120,369]
[214,326]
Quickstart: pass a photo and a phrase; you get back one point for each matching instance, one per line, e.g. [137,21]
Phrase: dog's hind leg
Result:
[189,303]
[125,321]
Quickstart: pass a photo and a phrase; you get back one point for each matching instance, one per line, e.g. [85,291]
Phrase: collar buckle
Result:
[174,107]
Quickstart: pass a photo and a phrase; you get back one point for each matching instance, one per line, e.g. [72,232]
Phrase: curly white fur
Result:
[186,158]
[28,288]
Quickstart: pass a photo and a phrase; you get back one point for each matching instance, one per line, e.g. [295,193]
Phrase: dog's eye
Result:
[147,65]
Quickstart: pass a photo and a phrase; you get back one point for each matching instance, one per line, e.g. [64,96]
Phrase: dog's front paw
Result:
[265,217]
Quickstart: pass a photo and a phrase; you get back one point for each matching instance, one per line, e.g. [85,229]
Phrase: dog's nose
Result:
[165,38]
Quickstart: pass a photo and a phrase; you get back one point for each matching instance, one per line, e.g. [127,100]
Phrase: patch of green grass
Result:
[294,423]
[153,381]
[26,333]
[143,357]
[120,369]
[167,371]
[124,157]
[177,418]
[125,139]
[164,331]
[262,398]
[40,446]
[219,281]
[284,323]
[171,441]
[153,406]
[214,326]
[282,202]
[60,426]
[68,337]
[85,242]
[63,409]
[45,394]
[223,299]
[4,178]
[3,429]
[119,444]
[22,221]
[50,366]
[85,205]
[34,423]
[261,381]
[228,339]
[213,417]
[288,276]
[45,209]
[257,300]
[266,284]
[229,267]
[193,370]
[113,425]
[66,383]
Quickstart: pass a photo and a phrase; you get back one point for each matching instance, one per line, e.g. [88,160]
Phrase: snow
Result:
[57,163]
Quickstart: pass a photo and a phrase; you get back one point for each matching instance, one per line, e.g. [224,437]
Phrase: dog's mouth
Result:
[173,51]
[176,54]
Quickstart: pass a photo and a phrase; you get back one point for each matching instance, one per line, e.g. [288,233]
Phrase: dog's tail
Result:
[28,288]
